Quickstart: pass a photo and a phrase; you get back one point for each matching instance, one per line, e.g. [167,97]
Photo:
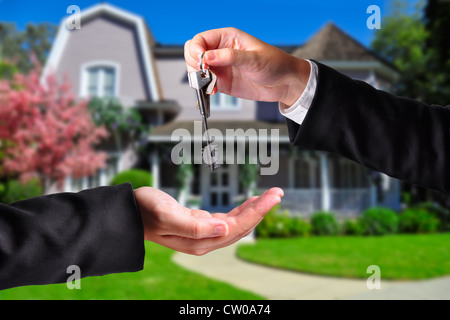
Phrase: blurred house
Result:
[115,55]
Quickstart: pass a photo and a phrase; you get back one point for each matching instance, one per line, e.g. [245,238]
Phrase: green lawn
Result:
[161,279]
[398,256]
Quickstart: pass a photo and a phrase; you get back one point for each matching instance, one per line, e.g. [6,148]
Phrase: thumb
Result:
[229,57]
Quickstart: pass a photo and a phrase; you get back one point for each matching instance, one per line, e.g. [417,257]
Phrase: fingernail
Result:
[220,230]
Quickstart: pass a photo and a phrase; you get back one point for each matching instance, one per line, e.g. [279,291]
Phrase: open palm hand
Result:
[197,231]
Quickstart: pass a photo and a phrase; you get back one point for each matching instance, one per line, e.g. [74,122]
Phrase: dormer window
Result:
[99,80]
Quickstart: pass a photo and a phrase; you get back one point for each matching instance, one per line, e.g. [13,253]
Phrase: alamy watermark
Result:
[374,21]
[374,281]
[74,20]
[73,281]
[258,143]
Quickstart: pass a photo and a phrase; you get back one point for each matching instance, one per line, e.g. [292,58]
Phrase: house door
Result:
[219,188]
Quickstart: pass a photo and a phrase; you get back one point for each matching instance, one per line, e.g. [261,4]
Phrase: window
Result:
[220,101]
[101,82]
[99,79]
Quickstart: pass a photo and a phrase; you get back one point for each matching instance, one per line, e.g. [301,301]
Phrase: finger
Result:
[200,214]
[239,209]
[192,64]
[202,246]
[255,212]
[192,246]
[275,191]
[228,57]
[217,39]
[211,39]
[199,246]
[248,202]
[197,213]
[192,227]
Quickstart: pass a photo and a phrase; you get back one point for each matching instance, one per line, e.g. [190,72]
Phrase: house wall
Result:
[373,78]
[362,75]
[106,39]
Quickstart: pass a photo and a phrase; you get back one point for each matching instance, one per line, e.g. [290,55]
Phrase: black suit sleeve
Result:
[99,230]
[403,138]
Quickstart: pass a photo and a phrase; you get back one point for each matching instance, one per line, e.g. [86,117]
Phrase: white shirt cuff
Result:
[297,112]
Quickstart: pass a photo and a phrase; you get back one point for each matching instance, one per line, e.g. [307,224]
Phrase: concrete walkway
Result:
[275,284]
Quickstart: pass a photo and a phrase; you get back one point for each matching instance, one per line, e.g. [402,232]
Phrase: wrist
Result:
[296,81]
[140,196]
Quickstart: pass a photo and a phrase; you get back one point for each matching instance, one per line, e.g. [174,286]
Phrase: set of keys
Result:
[204,82]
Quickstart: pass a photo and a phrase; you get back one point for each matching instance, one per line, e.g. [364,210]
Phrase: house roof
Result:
[332,43]
[332,46]
[164,133]
[145,39]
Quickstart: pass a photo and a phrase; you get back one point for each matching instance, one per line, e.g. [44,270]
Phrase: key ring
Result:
[202,65]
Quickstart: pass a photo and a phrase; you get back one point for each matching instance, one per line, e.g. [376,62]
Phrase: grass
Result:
[161,279]
[400,257]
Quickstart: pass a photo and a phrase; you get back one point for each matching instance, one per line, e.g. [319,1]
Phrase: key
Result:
[204,82]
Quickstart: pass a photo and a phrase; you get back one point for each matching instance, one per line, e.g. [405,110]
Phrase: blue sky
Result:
[282,22]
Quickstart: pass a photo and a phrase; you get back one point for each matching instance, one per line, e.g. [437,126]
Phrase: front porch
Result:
[312,181]
[346,203]
[222,190]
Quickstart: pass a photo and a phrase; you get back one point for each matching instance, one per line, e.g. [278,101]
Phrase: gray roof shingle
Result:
[333,44]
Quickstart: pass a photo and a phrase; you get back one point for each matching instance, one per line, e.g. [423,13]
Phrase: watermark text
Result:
[233,147]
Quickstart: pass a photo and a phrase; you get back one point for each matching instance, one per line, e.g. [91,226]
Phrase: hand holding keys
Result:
[204,82]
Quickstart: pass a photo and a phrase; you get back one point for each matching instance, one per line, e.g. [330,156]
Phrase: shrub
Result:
[379,221]
[352,227]
[439,212]
[298,227]
[265,228]
[137,178]
[324,223]
[278,224]
[417,220]
[16,191]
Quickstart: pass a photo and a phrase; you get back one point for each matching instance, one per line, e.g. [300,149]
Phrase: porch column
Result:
[325,182]
[291,170]
[159,117]
[84,183]
[68,184]
[103,178]
[154,158]
[373,195]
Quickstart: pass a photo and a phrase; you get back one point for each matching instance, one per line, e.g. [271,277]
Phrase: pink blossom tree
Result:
[45,131]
